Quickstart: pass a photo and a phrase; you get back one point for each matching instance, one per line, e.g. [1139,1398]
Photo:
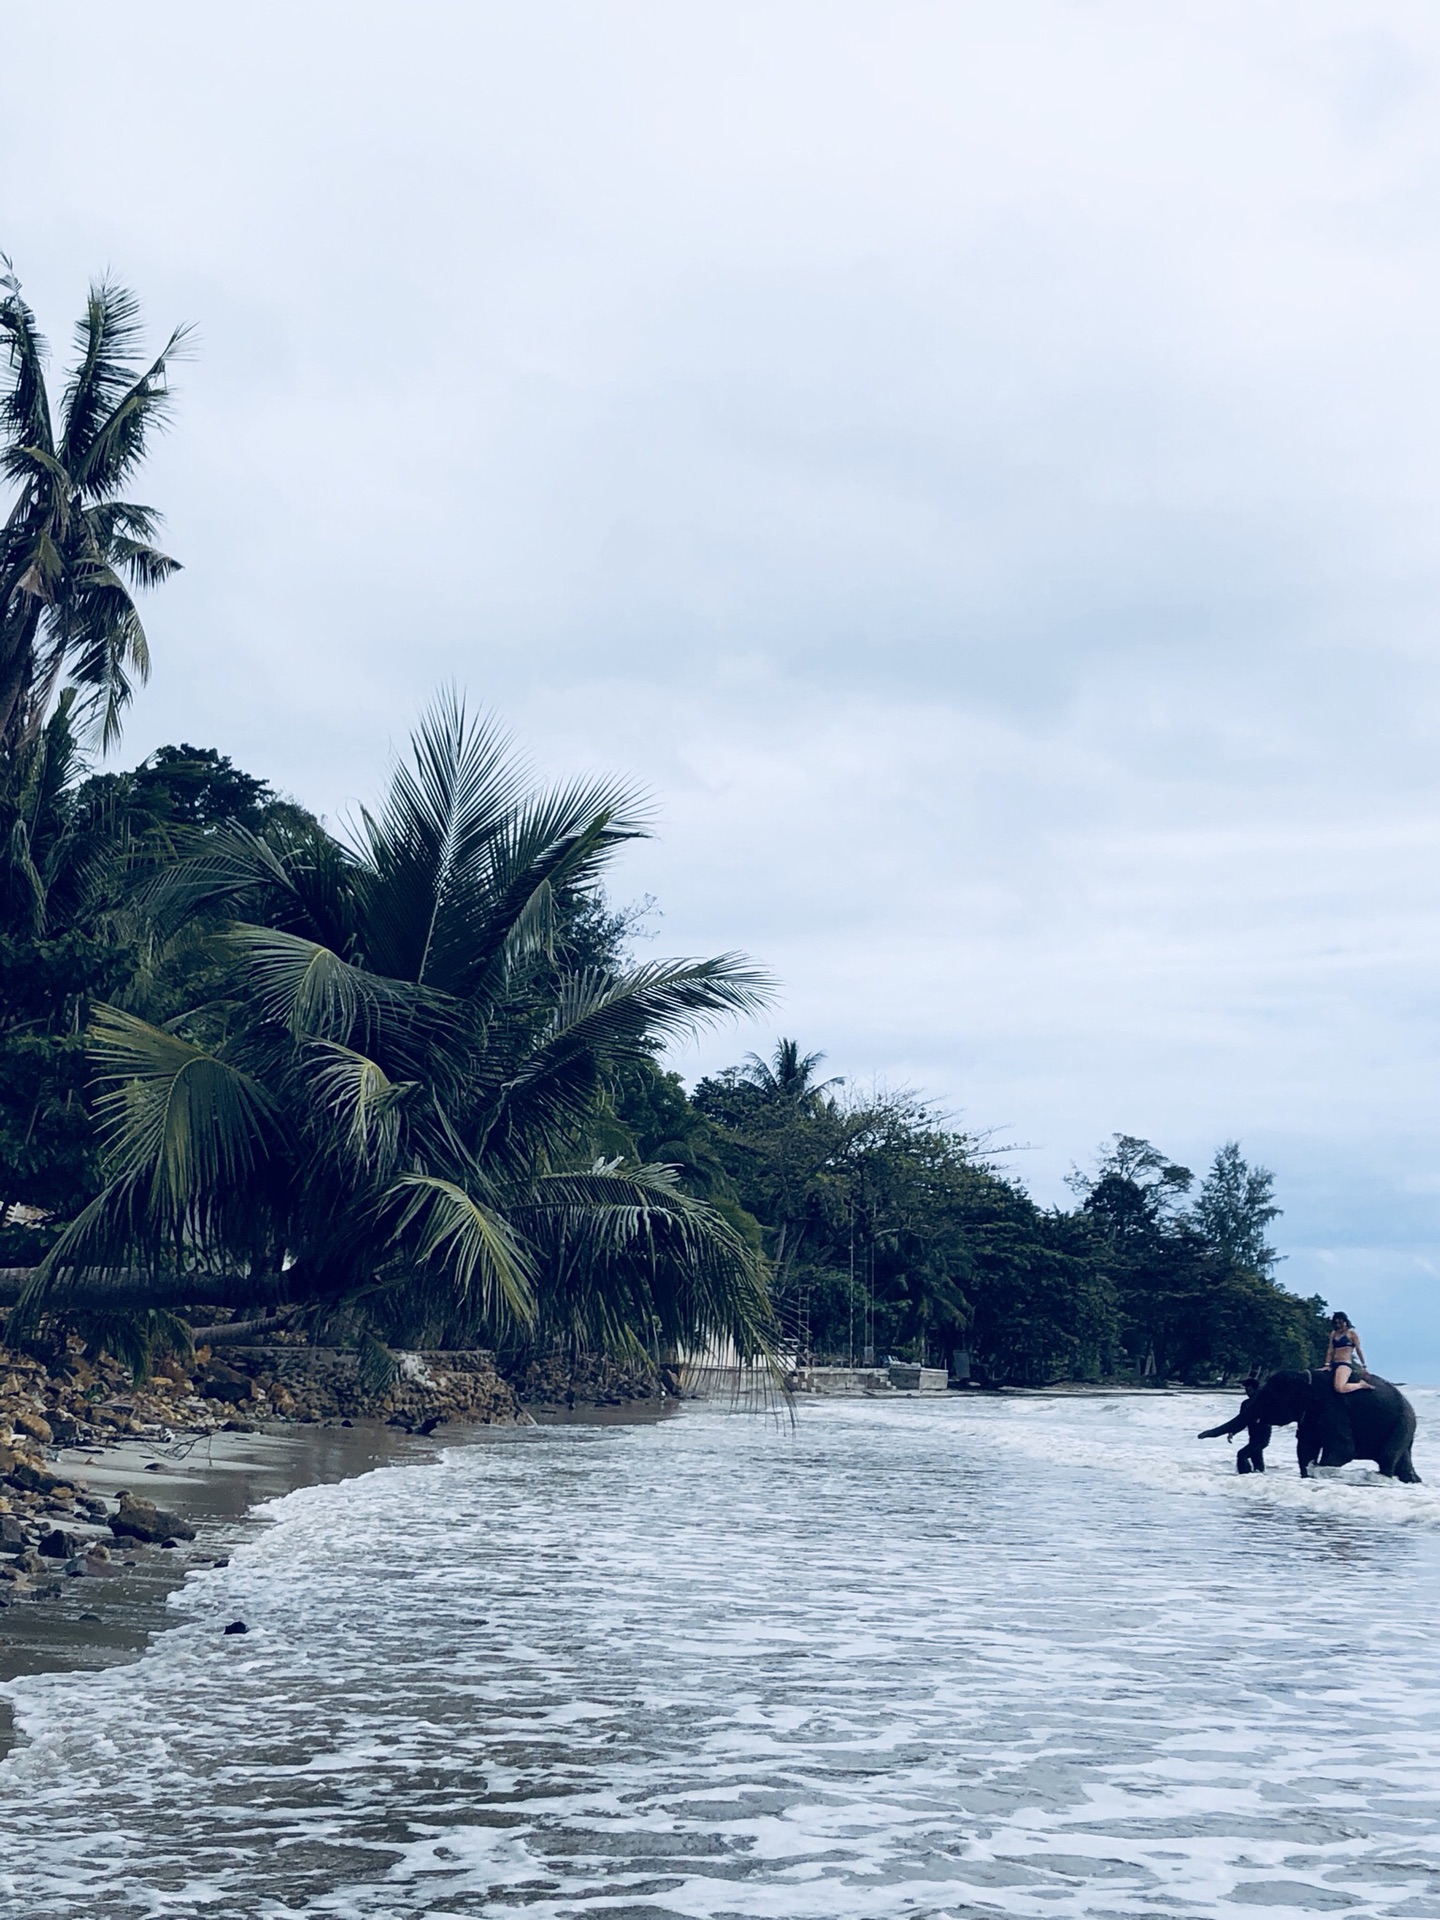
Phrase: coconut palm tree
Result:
[71,550]
[382,1118]
[787,1079]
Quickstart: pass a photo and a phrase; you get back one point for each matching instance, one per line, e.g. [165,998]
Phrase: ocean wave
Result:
[1016,1658]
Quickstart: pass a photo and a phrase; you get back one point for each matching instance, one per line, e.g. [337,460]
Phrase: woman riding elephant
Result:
[1343,1357]
[1378,1425]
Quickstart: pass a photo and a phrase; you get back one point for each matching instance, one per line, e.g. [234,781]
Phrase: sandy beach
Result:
[212,1480]
[215,1481]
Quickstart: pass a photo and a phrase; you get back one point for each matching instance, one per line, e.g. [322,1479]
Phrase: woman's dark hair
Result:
[1338,1319]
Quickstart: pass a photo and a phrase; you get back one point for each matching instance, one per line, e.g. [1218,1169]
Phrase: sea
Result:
[951,1655]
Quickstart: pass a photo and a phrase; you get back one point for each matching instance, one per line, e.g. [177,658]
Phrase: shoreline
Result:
[214,1481]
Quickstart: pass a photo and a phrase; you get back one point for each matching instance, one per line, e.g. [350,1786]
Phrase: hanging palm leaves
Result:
[385,1116]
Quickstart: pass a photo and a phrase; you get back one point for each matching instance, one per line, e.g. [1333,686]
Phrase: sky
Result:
[974,467]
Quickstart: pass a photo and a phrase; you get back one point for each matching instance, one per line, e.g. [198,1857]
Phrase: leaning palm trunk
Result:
[384,1119]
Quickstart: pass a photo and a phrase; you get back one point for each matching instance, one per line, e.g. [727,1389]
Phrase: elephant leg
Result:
[1307,1446]
[1404,1469]
[1329,1424]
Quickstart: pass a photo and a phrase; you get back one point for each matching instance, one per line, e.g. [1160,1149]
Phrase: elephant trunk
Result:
[1229,1429]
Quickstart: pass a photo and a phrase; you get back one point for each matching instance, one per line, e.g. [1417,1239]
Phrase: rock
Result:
[93,1618]
[59,1546]
[143,1520]
[219,1382]
[237,1426]
[32,1479]
[237,1626]
[154,1466]
[66,1429]
[36,1426]
[12,1534]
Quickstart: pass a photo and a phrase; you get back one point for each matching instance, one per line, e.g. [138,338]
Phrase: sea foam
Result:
[967,1656]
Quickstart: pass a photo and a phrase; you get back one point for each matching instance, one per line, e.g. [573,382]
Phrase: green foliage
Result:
[385,1106]
[72,552]
[139,1338]
[890,1231]
[1193,1290]
[73,932]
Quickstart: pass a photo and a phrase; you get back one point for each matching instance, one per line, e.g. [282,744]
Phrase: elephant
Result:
[1331,1428]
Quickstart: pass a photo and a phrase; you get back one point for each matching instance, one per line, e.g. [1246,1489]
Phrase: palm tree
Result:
[71,550]
[788,1077]
[382,1118]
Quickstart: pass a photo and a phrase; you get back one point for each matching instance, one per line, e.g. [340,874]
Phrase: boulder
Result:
[35,1425]
[219,1382]
[30,1478]
[12,1534]
[143,1520]
[58,1545]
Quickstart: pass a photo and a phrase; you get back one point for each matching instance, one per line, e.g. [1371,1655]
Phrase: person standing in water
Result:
[1343,1356]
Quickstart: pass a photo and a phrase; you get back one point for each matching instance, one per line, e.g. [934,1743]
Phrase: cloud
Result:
[975,466]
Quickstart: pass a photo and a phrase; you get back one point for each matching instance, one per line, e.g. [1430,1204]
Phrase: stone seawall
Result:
[327,1383]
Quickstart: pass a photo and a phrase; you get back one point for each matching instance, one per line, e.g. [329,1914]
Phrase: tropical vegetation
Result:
[404,1085]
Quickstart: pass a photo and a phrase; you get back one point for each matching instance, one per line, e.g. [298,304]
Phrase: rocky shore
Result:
[63,1415]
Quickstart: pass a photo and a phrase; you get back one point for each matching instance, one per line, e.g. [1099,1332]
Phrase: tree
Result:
[71,550]
[1234,1209]
[72,933]
[1192,1287]
[60,943]
[384,1115]
[890,1230]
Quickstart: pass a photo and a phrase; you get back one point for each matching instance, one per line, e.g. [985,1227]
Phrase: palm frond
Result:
[601,1021]
[362,1103]
[177,1120]
[24,403]
[306,889]
[462,784]
[111,404]
[626,1249]
[475,1246]
[309,990]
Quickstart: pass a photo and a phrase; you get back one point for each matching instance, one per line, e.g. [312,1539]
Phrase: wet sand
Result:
[215,1481]
[212,1481]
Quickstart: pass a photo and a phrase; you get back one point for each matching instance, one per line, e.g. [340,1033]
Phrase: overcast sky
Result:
[977,466]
